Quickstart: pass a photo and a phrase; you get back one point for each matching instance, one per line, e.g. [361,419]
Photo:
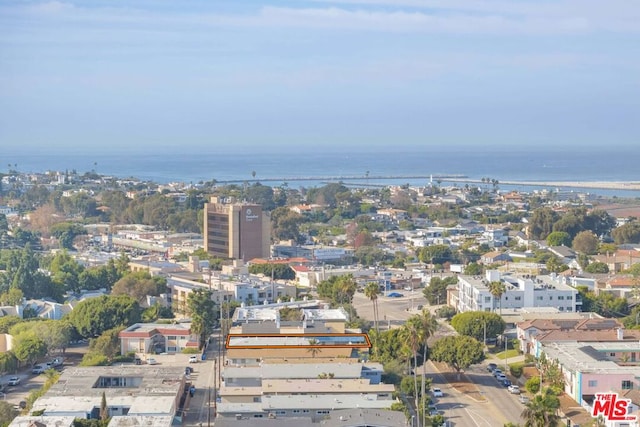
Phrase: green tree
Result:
[597,267]
[66,271]
[107,344]
[473,269]
[559,238]
[92,317]
[56,334]
[28,348]
[436,292]
[436,254]
[6,322]
[11,297]
[66,232]
[276,271]
[627,233]
[203,314]
[8,362]
[533,384]
[390,346]
[339,289]
[541,223]
[139,285]
[261,195]
[472,324]
[458,351]
[586,242]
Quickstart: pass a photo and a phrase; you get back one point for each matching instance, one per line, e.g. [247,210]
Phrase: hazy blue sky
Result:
[120,73]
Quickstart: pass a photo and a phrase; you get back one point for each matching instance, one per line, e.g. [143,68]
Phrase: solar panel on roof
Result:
[593,353]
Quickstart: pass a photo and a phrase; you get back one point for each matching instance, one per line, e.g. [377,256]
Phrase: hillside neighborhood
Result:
[239,305]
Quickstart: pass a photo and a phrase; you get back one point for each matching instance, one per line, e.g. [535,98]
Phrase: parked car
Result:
[14,380]
[497,372]
[152,361]
[38,369]
[492,367]
[419,307]
[395,295]
[506,383]
[193,359]
[437,392]
[523,399]
[58,361]
[433,410]
[501,378]
[514,389]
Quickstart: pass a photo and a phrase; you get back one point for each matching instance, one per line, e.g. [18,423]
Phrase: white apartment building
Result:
[474,293]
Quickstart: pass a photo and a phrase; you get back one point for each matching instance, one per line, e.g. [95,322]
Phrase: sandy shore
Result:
[607,185]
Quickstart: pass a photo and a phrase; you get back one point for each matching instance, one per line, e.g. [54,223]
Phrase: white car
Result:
[38,369]
[152,361]
[14,380]
[193,359]
[437,392]
[514,389]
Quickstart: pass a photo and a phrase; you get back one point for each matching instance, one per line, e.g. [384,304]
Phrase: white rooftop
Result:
[592,356]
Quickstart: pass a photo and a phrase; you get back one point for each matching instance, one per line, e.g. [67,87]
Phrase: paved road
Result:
[458,409]
[393,312]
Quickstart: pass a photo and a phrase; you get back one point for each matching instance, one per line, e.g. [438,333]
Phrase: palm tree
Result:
[411,333]
[541,411]
[314,350]
[428,327]
[372,291]
[497,289]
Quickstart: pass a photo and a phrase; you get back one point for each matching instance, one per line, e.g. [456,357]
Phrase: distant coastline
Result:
[604,185]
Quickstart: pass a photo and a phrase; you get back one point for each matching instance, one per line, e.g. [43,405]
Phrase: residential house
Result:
[532,332]
[622,286]
[494,257]
[151,338]
[620,260]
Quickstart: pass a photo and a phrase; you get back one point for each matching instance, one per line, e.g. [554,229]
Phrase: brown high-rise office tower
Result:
[236,230]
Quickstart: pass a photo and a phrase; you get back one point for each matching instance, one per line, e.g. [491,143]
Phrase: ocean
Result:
[373,166]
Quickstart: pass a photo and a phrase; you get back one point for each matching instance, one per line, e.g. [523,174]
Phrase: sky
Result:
[116,74]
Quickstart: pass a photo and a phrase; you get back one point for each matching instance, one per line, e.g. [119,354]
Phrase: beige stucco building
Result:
[236,230]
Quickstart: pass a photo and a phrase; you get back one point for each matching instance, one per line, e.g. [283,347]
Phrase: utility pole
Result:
[485,332]
[506,366]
